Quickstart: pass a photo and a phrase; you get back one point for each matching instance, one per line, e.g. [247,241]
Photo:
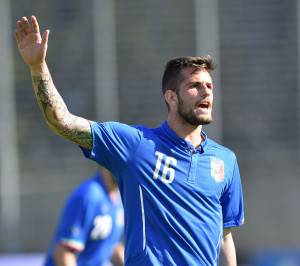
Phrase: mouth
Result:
[204,105]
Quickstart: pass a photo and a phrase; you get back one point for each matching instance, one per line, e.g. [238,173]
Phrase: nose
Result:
[207,89]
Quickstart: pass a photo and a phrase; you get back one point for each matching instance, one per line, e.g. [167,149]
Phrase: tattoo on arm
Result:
[41,93]
[58,117]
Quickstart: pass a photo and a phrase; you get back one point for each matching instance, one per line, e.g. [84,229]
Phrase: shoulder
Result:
[89,191]
[113,125]
[221,150]
[117,129]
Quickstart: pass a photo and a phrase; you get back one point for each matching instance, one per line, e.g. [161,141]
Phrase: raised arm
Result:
[33,48]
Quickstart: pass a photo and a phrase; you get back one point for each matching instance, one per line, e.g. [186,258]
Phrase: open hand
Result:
[32,46]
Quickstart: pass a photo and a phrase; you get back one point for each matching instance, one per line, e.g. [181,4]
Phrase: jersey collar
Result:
[182,142]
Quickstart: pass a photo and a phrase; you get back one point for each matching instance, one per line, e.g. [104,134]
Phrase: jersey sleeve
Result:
[75,223]
[113,144]
[232,201]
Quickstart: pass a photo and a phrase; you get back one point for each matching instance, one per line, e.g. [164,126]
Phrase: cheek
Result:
[189,95]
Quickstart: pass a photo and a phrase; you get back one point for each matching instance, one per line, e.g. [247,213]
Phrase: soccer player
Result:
[90,226]
[181,191]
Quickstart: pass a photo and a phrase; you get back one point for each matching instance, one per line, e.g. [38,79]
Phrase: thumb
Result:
[45,38]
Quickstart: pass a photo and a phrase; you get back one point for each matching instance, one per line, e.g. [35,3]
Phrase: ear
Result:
[171,98]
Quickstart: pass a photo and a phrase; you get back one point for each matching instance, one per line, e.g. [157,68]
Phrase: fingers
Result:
[45,38]
[35,25]
[26,26]
[22,29]
[20,34]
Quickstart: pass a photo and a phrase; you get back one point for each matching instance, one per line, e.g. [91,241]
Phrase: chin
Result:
[205,120]
[199,121]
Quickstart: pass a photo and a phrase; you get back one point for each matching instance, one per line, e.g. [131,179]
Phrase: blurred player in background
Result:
[181,191]
[90,226]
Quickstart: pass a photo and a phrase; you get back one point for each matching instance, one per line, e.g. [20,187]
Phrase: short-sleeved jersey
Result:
[177,199]
[91,223]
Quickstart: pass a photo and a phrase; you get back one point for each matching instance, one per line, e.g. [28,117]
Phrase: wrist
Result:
[38,69]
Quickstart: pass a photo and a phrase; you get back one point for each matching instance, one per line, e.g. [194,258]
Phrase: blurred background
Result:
[107,59]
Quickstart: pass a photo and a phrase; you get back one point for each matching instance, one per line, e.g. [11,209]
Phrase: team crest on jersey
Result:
[217,169]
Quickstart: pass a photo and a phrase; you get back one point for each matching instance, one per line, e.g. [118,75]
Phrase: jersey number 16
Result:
[168,173]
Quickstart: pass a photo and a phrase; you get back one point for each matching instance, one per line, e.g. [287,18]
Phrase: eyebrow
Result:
[194,83]
[199,83]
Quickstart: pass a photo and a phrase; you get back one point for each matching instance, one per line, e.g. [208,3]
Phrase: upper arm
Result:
[228,254]
[56,113]
[75,129]
[114,145]
[75,221]
[64,256]
[232,200]
[227,233]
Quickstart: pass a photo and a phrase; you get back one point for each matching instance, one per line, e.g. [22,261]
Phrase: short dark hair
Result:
[172,73]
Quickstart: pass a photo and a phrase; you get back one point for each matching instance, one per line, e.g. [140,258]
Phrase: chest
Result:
[182,170]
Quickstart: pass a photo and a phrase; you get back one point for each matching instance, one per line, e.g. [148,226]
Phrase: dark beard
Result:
[190,117]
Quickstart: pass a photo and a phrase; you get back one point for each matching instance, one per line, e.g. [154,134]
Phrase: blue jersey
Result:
[90,223]
[177,199]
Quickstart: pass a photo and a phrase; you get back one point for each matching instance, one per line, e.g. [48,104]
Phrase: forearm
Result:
[55,111]
[228,250]
[48,98]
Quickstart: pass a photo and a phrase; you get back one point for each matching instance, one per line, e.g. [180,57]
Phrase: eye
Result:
[195,85]
[209,85]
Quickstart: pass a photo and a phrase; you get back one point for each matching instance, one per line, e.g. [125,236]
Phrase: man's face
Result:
[195,96]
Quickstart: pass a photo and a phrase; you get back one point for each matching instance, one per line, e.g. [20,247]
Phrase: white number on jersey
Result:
[168,173]
[102,227]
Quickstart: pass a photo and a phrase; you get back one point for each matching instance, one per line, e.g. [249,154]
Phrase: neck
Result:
[185,130]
